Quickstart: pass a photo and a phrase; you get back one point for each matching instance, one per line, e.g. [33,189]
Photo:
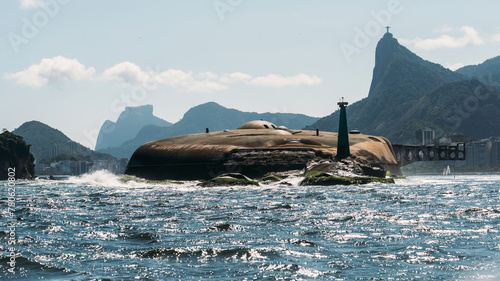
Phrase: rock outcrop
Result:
[15,157]
[347,171]
[322,178]
[229,179]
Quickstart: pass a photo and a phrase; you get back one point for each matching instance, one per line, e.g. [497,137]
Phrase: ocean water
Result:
[94,227]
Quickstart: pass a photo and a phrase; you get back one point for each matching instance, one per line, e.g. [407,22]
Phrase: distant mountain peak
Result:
[129,123]
[208,105]
[387,48]
[146,109]
[38,126]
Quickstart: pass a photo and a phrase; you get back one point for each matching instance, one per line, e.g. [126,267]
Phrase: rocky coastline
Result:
[16,160]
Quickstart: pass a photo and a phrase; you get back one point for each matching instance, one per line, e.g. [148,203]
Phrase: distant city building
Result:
[70,147]
[484,152]
[444,140]
[82,167]
[495,152]
[66,167]
[53,151]
[76,168]
[425,136]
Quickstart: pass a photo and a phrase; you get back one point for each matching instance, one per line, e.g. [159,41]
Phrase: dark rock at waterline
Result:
[344,172]
[302,242]
[16,160]
[225,227]
[221,227]
[322,178]
[349,167]
[268,178]
[229,179]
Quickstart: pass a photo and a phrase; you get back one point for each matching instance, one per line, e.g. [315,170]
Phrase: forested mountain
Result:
[466,107]
[44,138]
[487,72]
[408,93]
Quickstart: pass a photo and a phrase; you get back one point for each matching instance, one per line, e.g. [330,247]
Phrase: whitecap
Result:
[103,178]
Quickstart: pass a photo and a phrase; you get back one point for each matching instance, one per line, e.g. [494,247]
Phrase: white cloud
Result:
[175,78]
[51,71]
[126,72]
[496,38]
[59,69]
[185,81]
[278,81]
[30,4]
[129,73]
[235,78]
[470,37]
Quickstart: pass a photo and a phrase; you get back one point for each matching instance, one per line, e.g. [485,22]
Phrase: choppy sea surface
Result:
[95,227]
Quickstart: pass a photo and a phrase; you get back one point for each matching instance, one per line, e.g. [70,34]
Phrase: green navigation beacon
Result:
[343,136]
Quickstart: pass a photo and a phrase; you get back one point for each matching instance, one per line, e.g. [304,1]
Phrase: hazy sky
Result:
[72,64]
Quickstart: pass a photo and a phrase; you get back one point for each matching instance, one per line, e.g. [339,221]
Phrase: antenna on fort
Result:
[387,27]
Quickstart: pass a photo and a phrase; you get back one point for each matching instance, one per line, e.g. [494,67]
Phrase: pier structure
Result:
[407,154]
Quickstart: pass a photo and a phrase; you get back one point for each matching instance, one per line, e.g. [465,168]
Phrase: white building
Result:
[425,136]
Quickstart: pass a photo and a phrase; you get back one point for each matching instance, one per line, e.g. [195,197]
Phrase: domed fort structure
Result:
[253,149]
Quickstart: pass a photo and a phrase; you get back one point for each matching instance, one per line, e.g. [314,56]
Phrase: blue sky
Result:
[72,64]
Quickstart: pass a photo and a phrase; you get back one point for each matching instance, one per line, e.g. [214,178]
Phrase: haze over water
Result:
[96,227]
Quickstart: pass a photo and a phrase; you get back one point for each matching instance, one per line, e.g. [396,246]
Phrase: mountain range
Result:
[408,93]
[197,119]
[137,125]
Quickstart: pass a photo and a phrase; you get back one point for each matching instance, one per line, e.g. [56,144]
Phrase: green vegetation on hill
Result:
[487,72]
[465,107]
[15,154]
[43,138]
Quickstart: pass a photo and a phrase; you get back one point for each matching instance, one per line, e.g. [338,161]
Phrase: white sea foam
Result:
[104,178]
